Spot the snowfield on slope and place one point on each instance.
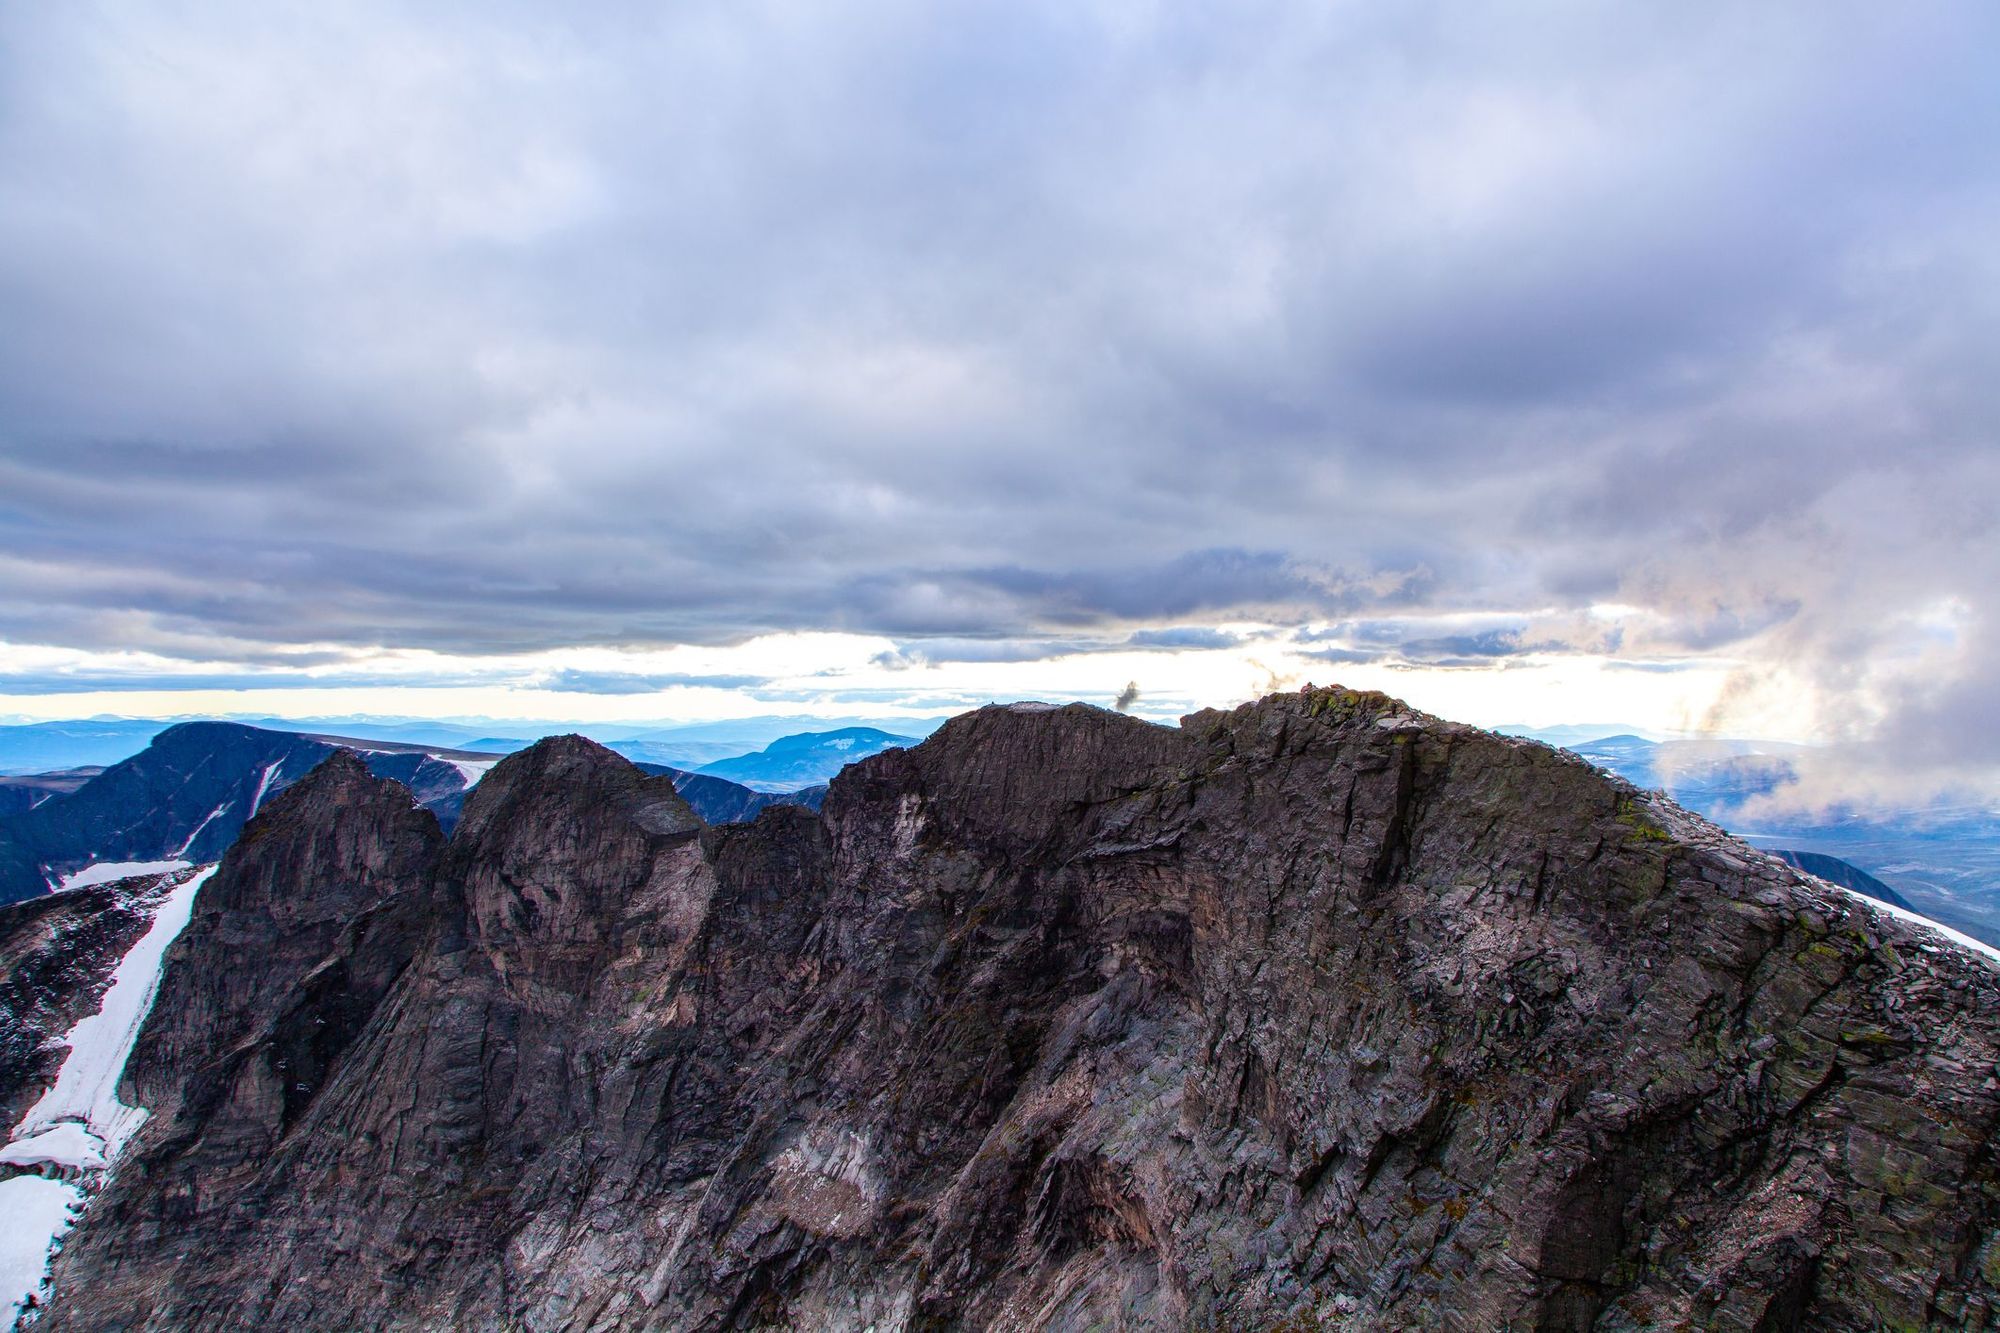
(77, 1128)
(103, 872)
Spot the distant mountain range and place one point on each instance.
(794, 762)
(187, 794)
(42, 747)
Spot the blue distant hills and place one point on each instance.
(794, 762)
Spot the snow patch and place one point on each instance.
(68, 1147)
(76, 1130)
(1032, 706)
(86, 1089)
(105, 871)
(470, 769)
(38, 1211)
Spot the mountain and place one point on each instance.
(40, 747)
(181, 798)
(812, 757)
(1836, 871)
(28, 790)
(1942, 858)
(1318, 1013)
(185, 797)
(1569, 735)
(690, 755)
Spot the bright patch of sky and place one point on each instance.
(832, 675)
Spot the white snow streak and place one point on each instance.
(79, 1125)
(105, 871)
(182, 849)
(263, 786)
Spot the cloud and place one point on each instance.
(1184, 636)
(627, 682)
(1039, 329)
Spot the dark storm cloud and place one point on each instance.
(496, 328)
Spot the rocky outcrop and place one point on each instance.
(188, 794)
(293, 945)
(1317, 1011)
(57, 953)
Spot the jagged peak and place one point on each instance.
(572, 772)
(341, 779)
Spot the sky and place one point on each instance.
(1536, 362)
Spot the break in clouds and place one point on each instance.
(1053, 326)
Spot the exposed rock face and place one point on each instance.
(57, 953)
(188, 794)
(1316, 1010)
(185, 796)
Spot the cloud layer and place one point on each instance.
(499, 330)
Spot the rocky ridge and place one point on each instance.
(189, 793)
(1319, 1010)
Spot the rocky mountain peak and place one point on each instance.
(1316, 1010)
(572, 777)
(556, 843)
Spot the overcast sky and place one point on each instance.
(668, 360)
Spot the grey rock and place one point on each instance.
(1319, 1011)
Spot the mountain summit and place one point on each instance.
(1319, 1010)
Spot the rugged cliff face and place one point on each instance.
(1318, 1010)
(57, 953)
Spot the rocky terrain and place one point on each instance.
(1319, 1013)
(185, 797)
(56, 956)
(1937, 854)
